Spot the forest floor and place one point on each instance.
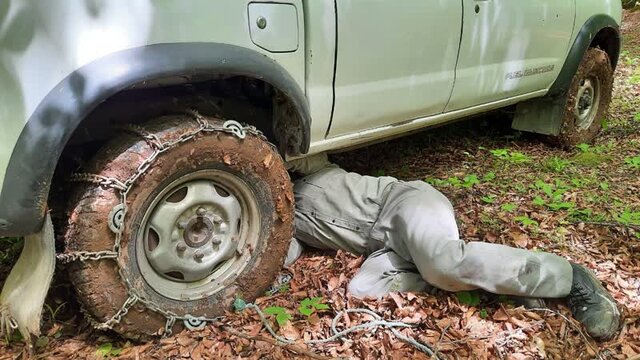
(507, 188)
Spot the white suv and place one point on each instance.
(146, 127)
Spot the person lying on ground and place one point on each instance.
(409, 234)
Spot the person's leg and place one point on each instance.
(384, 272)
(422, 222)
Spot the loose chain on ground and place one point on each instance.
(372, 325)
(123, 187)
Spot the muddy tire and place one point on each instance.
(587, 101)
(208, 222)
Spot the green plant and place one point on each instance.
(108, 350)
(554, 193)
(589, 159)
(518, 157)
(489, 199)
(509, 207)
(580, 214)
(636, 117)
(583, 147)
(488, 177)
(470, 181)
(310, 305)
(633, 162)
(483, 313)
(500, 153)
(511, 156)
(526, 221)
(469, 298)
(538, 201)
(629, 217)
(556, 164)
(436, 182)
(280, 313)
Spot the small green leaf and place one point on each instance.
(500, 153)
(583, 147)
(489, 199)
(469, 298)
(483, 313)
(636, 117)
(633, 162)
(104, 350)
(488, 177)
(509, 207)
(310, 305)
(604, 186)
(561, 206)
(526, 221)
(470, 180)
(538, 201)
(518, 157)
(281, 314)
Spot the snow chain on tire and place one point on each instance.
(118, 215)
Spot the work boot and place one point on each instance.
(592, 305)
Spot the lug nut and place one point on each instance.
(201, 211)
(216, 240)
(181, 247)
(217, 219)
(198, 255)
(182, 224)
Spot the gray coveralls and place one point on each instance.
(409, 233)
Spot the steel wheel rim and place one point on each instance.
(587, 102)
(190, 246)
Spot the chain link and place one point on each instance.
(66, 258)
(123, 189)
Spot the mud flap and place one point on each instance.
(540, 116)
(23, 294)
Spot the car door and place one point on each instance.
(395, 61)
(510, 48)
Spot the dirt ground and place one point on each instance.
(507, 188)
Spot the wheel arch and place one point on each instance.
(600, 31)
(30, 171)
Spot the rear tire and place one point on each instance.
(587, 101)
(226, 239)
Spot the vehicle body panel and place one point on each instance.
(510, 48)
(395, 62)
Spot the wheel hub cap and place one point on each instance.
(587, 101)
(192, 231)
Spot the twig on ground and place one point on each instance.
(574, 326)
(289, 347)
(435, 348)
